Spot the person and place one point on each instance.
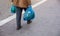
(20, 5)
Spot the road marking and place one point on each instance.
(14, 16)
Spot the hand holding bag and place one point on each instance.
(29, 14)
(13, 9)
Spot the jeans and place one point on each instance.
(18, 15)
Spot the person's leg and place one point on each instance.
(29, 21)
(18, 17)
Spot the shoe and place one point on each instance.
(28, 22)
(18, 28)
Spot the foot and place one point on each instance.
(18, 28)
(29, 22)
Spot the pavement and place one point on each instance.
(46, 22)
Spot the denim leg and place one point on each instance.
(18, 16)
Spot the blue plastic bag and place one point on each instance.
(29, 14)
(13, 9)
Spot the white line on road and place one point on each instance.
(14, 16)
